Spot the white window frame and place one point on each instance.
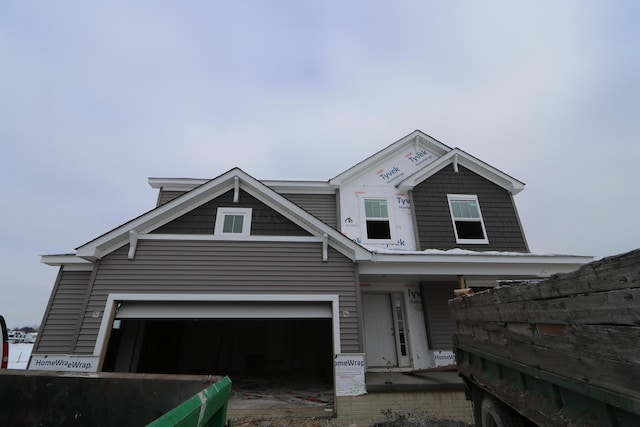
(364, 215)
(473, 198)
(223, 212)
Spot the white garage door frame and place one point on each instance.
(114, 300)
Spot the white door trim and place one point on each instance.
(114, 299)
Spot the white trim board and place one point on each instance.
(113, 299)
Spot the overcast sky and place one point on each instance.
(95, 97)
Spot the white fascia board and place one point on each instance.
(155, 218)
(163, 214)
(425, 140)
(525, 265)
(63, 259)
(68, 262)
(479, 167)
(230, 238)
(300, 187)
(280, 186)
(176, 184)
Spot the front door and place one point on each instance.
(384, 330)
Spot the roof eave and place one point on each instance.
(459, 157)
(163, 214)
(504, 265)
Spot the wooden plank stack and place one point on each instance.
(583, 325)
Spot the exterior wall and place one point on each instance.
(232, 267)
(440, 326)
(165, 196)
(265, 221)
(322, 206)
(65, 308)
(435, 228)
(379, 182)
(415, 324)
(366, 410)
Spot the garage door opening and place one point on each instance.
(240, 348)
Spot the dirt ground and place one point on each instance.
(397, 421)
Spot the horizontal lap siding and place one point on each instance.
(435, 228)
(167, 196)
(56, 334)
(225, 268)
(322, 206)
(264, 222)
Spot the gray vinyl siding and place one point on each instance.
(225, 268)
(433, 219)
(440, 327)
(265, 221)
(165, 196)
(322, 206)
(65, 308)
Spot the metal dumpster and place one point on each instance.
(208, 408)
(57, 399)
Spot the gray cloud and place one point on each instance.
(96, 98)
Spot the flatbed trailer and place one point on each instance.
(563, 352)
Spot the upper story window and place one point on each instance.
(233, 221)
(377, 217)
(467, 219)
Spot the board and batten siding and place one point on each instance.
(433, 218)
(264, 222)
(225, 267)
(63, 313)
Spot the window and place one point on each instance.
(467, 219)
(233, 221)
(377, 217)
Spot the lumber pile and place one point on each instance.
(583, 325)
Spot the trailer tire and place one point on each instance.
(494, 413)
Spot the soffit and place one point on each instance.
(493, 265)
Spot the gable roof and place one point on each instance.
(416, 139)
(235, 178)
(459, 157)
(280, 186)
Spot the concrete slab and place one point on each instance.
(423, 381)
(264, 398)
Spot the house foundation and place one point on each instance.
(366, 410)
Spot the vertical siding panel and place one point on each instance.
(431, 208)
(225, 267)
(56, 335)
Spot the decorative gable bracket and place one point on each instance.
(133, 244)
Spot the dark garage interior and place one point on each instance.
(240, 348)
